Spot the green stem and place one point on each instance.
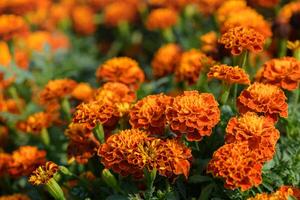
(99, 133)
(201, 81)
(225, 94)
(244, 60)
(65, 104)
(45, 136)
(14, 94)
(168, 35)
(235, 90)
(54, 189)
(282, 47)
(297, 54)
(110, 180)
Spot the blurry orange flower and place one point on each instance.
(161, 18)
(96, 112)
(121, 69)
(15, 197)
(191, 64)
(4, 161)
(118, 12)
(287, 12)
(258, 131)
(83, 20)
(209, 42)
(5, 56)
(283, 72)
(229, 7)
(25, 160)
(265, 99)
(114, 92)
(18, 7)
(11, 105)
(83, 92)
(229, 74)
(149, 113)
(83, 144)
(175, 4)
(278, 195)
(237, 165)
(43, 173)
(165, 60)
(266, 3)
(193, 114)
(239, 39)
(7, 31)
(208, 7)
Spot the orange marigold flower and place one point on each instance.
(241, 39)
(83, 92)
(96, 112)
(83, 144)
(278, 195)
(191, 64)
(56, 89)
(121, 69)
(237, 165)
(25, 160)
(209, 42)
(283, 72)
(15, 197)
(118, 12)
(258, 131)
(208, 7)
(287, 189)
(149, 113)
(18, 7)
(43, 173)
(83, 20)
(265, 99)
(229, 7)
(161, 18)
(193, 114)
(115, 92)
(7, 31)
(265, 3)
(5, 56)
(175, 4)
(287, 11)
(229, 74)
(4, 161)
(165, 60)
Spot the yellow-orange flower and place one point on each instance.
(4, 161)
(278, 195)
(258, 131)
(287, 189)
(193, 114)
(121, 69)
(5, 56)
(25, 160)
(265, 3)
(283, 72)
(229, 7)
(237, 165)
(241, 39)
(118, 12)
(7, 31)
(229, 74)
(43, 173)
(83, 92)
(191, 64)
(161, 18)
(265, 99)
(209, 42)
(149, 113)
(165, 60)
(15, 197)
(287, 12)
(83, 144)
(83, 20)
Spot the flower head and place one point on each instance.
(229, 7)
(239, 39)
(191, 64)
(237, 165)
(228, 74)
(209, 42)
(149, 113)
(265, 99)
(208, 7)
(281, 194)
(121, 69)
(161, 18)
(193, 114)
(287, 11)
(283, 72)
(25, 160)
(83, 20)
(165, 60)
(43, 173)
(7, 31)
(83, 92)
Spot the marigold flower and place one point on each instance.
(265, 3)
(96, 112)
(83, 92)
(208, 7)
(193, 114)
(209, 42)
(4, 161)
(191, 64)
(43, 173)
(287, 12)
(7, 31)
(265, 99)
(161, 18)
(258, 131)
(239, 39)
(83, 20)
(118, 12)
(229, 7)
(229, 74)
(15, 197)
(25, 160)
(175, 4)
(287, 190)
(149, 113)
(18, 7)
(121, 69)
(283, 72)
(165, 60)
(237, 165)
(5, 56)
(278, 195)
(83, 144)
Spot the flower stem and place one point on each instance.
(282, 47)
(54, 189)
(99, 133)
(297, 54)
(225, 94)
(65, 104)
(168, 35)
(244, 60)
(45, 136)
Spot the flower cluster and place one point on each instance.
(161, 18)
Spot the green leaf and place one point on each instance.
(205, 193)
